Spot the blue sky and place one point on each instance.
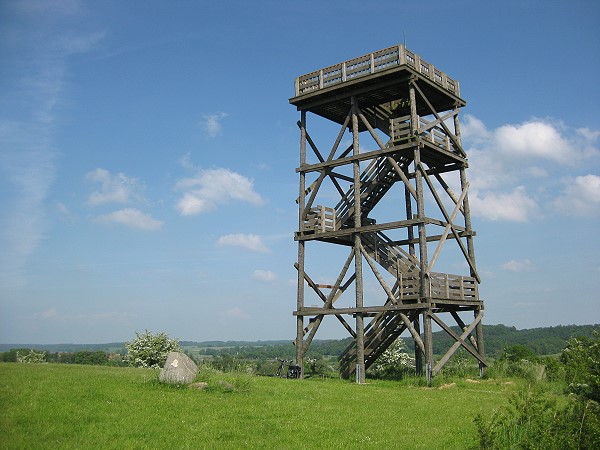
(148, 155)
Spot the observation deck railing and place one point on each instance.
(370, 64)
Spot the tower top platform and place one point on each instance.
(376, 78)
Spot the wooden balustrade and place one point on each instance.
(373, 63)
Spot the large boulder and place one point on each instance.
(178, 369)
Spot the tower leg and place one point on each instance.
(428, 343)
(418, 352)
(480, 346)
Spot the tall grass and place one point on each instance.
(65, 406)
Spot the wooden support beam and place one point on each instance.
(414, 333)
(454, 139)
(460, 341)
(463, 327)
(449, 191)
(438, 120)
(447, 229)
(382, 282)
(396, 149)
(321, 311)
(391, 160)
(447, 217)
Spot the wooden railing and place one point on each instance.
(320, 219)
(453, 287)
(371, 64)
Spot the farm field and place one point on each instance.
(70, 406)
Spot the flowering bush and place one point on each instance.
(31, 357)
(394, 362)
(150, 350)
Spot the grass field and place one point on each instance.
(70, 406)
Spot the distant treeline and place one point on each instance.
(91, 357)
(542, 341)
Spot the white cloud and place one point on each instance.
(518, 266)
(581, 196)
(250, 242)
(515, 206)
(236, 313)
(536, 139)
(509, 163)
(132, 218)
(50, 314)
(211, 123)
(589, 135)
(264, 275)
(211, 187)
(474, 130)
(117, 188)
(533, 140)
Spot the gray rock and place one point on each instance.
(178, 369)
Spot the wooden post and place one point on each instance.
(360, 326)
(428, 342)
(470, 246)
(301, 248)
(418, 351)
(423, 276)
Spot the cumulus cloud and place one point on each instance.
(117, 188)
(208, 188)
(211, 123)
(515, 206)
(518, 266)
(265, 276)
(580, 196)
(536, 139)
(132, 218)
(250, 242)
(511, 167)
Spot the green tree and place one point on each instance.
(518, 352)
(97, 358)
(150, 350)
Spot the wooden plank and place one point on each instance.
(360, 157)
(365, 310)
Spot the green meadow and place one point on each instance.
(71, 406)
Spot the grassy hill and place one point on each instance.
(70, 406)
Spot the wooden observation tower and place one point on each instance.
(387, 197)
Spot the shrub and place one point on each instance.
(581, 358)
(31, 356)
(150, 350)
(533, 421)
(394, 362)
(318, 367)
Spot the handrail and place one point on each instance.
(395, 56)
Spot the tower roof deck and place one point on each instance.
(376, 78)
